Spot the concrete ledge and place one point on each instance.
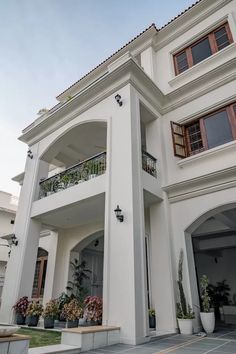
(16, 344)
(88, 338)
(14, 338)
(91, 329)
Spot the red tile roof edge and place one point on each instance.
(133, 39)
(140, 34)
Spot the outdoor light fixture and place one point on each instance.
(119, 216)
(13, 240)
(118, 99)
(30, 154)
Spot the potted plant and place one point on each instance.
(20, 308)
(34, 311)
(62, 300)
(76, 285)
(72, 312)
(219, 295)
(207, 317)
(185, 314)
(152, 318)
(93, 309)
(50, 313)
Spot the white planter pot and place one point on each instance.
(208, 321)
(185, 326)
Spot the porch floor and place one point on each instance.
(221, 342)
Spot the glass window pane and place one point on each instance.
(220, 32)
(182, 62)
(201, 51)
(194, 138)
(218, 129)
(221, 37)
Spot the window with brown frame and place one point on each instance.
(214, 129)
(213, 42)
(40, 274)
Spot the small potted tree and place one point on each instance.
(62, 300)
(152, 318)
(93, 309)
(50, 313)
(185, 314)
(20, 308)
(72, 312)
(206, 315)
(34, 311)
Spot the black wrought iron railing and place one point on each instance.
(81, 172)
(149, 163)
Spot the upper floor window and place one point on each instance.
(203, 48)
(207, 132)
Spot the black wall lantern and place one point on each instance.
(118, 99)
(119, 216)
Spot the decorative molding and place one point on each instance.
(189, 19)
(204, 184)
(127, 73)
(206, 154)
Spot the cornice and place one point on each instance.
(127, 72)
(198, 87)
(189, 19)
(194, 187)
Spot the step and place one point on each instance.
(54, 349)
(92, 337)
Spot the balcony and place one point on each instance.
(149, 164)
(81, 172)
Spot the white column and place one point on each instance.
(125, 297)
(162, 280)
(21, 265)
(51, 265)
(148, 62)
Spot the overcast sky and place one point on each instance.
(46, 45)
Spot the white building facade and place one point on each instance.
(8, 207)
(153, 130)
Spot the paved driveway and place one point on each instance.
(219, 343)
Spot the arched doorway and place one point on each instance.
(40, 273)
(90, 251)
(211, 249)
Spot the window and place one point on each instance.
(212, 130)
(203, 48)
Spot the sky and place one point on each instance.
(46, 45)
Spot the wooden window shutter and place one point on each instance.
(178, 137)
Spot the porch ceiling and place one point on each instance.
(82, 213)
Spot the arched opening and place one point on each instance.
(77, 156)
(40, 274)
(90, 251)
(211, 249)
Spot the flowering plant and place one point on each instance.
(51, 309)
(93, 308)
(72, 311)
(21, 305)
(34, 309)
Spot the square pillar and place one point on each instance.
(21, 265)
(124, 286)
